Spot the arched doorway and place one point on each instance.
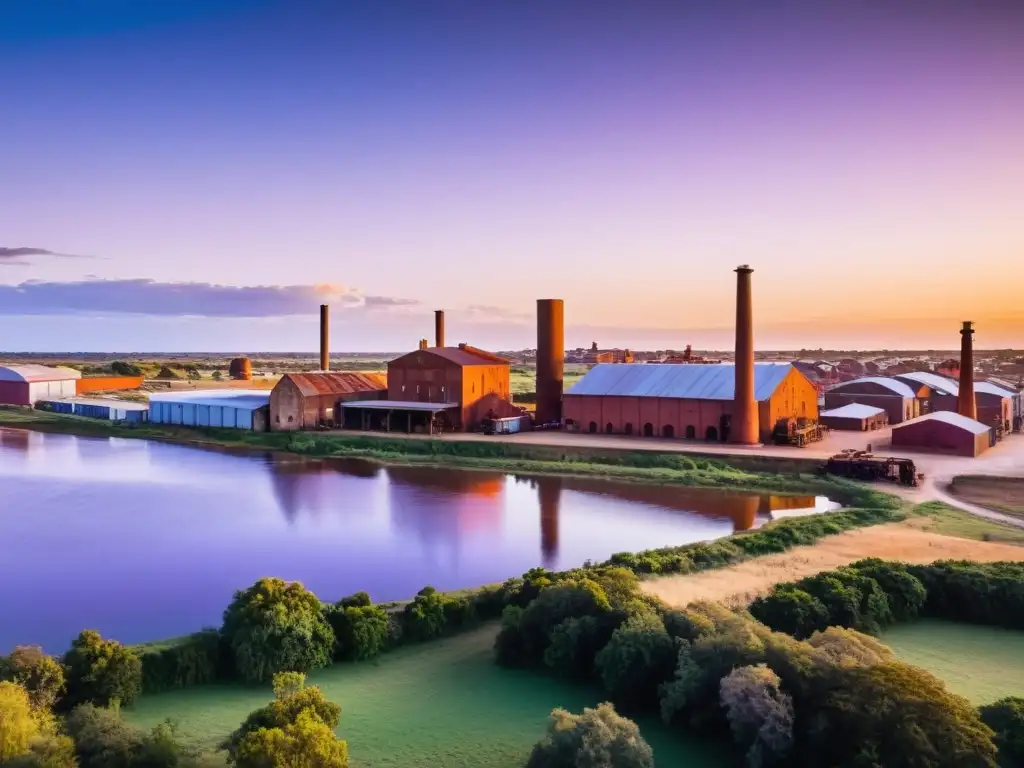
(629, 428)
(648, 429)
(711, 435)
(592, 429)
(609, 428)
(668, 431)
(691, 432)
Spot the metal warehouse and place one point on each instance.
(855, 416)
(232, 409)
(691, 401)
(944, 432)
(310, 400)
(994, 404)
(96, 408)
(28, 384)
(896, 398)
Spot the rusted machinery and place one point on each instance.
(798, 432)
(861, 465)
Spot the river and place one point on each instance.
(144, 540)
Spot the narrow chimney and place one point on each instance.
(744, 429)
(424, 344)
(439, 328)
(550, 359)
(325, 330)
(966, 403)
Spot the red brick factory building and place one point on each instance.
(310, 400)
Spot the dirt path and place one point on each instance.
(741, 583)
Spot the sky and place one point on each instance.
(199, 175)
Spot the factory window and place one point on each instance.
(691, 432)
(629, 428)
(711, 434)
(609, 428)
(277, 419)
(648, 429)
(592, 429)
(668, 431)
(291, 419)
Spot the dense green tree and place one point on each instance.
(1006, 718)
(18, 723)
(574, 646)
(760, 714)
(276, 626)
(639, 657)
(306, 743)
(41, 675)
(424, 618)
(555, 604)
(904, 591)
(102, 672)
(361, 632)
(791, 610)
(358, 600)
(599, 738)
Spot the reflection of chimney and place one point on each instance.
(549, 493)
(439, 328)
(744, 428)
(966, 404)
(325, 355)
(550, 359)
(424, 344)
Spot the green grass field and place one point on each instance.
(936, 517)
(983, 664)
(439, 704)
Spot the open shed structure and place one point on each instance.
(855, 417)
(687, 401)
(311, 400)
(224, 408)
(28, 384)
(944, 432)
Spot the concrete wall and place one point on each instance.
(45, 390)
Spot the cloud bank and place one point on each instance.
(148, 297)
(21, 256)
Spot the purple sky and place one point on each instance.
(241, 161)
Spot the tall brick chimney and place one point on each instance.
(439, 328)
(966, 403)
(325, 330)
(744, 429)
(424, 344)
(550, 359)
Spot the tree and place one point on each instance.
(245, 747)
(760, 715)
(361, 632)
(277, 626)
(553, 605)
(790, 610)
(639, 657)
(217, 376)
(574, 645)
(18, 723)
(100, 671)
(103, 740)
(905, 592)
(1006, 718)
(306, 742)
(41, 675)
(47, 750)
(599, 738)
(848, 647)
(121, 368)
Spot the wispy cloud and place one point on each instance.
(22, 255)
(148, 297)
(489, 313)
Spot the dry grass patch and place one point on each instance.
(1000, 494)
(905, 541)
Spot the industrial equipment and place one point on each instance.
(861, 465)
(798, 432)
(507, 426)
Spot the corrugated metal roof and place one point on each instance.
(991, 389)
(32, 373)
(124, 405)
(695, 382)
(459, 356)
(854, 411)
(399, 405)
(897, 387)
(933, 380)
(949, 417)
(244, 399)
(337, 382)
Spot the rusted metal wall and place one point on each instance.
(550, 359)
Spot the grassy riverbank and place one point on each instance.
(745, 472)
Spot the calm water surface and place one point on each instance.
(144, 540)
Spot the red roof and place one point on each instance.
(463, 355)
(337, 383)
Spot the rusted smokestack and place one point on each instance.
(325, 331)
(439, 328)
(966, 404)
(549, 491)
(744, 429)
(424, 344)
(550, 359)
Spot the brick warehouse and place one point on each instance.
(308, 400)
(684, 401)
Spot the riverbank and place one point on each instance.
(747, 471)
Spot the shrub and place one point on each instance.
(846, 647)
(509, 650)
(46, 751)
(426, 617)
(41, 675)
(1006, 718)
(307, 741)
(103, 740)
(905, 592)
(197, 659)
(687, 624)
(101, 672)
(978, 593)
(599, 738)
(760, 715)
(360, 632)
(291, 701)
(639, 657)
(791, 610)
(358, 600)
(18, 723)
(276, 626)
(574, 645)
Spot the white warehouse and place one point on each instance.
(224, 408)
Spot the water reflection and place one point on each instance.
(87, 517)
